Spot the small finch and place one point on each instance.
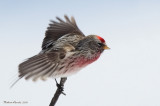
(65, 51)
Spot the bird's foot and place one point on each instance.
(60, 87)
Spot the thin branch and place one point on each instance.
(58, 92)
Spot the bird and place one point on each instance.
(65, 51)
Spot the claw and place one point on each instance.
(61, 88)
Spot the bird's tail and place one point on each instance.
(15, 82)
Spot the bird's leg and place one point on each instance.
(60, 87)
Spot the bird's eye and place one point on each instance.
(100, 44)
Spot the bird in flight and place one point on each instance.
(65, 51)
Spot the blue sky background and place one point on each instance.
(126, 75)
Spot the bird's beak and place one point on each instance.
(105, 47)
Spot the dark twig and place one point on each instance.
(58, 91)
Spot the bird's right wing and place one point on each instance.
(59, 29)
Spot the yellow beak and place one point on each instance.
(106, 47)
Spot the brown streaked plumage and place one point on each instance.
(65, 51)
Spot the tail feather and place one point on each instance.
(15, 82)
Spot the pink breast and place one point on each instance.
(83, 61)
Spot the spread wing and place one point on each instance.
(41, 66)
(45, 65)
(59, 29)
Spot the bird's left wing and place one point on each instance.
(42, 65)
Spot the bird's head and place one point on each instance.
(101, 42)
(93, 43)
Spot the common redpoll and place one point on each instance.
(65, 51)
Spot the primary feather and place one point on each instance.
(58, 29)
